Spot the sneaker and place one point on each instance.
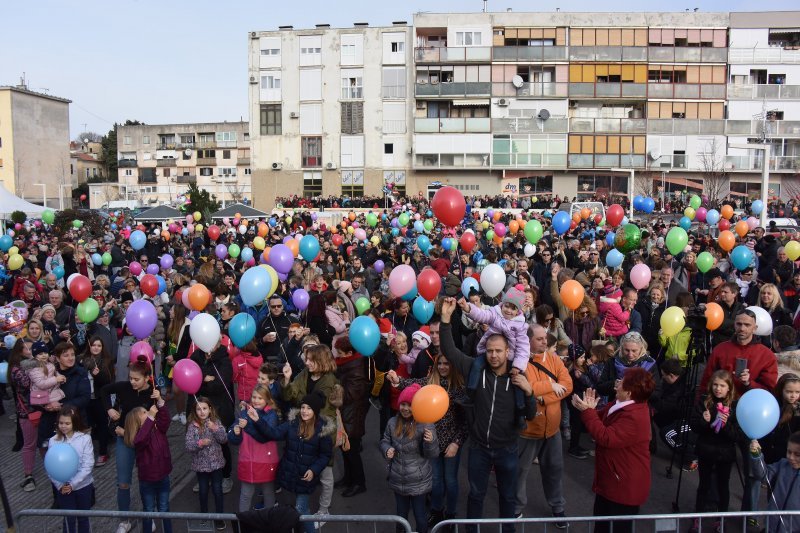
(578, 453)
(101, 460)
(561, 524)
(518, 515)
(28, 484)
(182, 418)
(691, 466)
(219, 525)
(196, 488)
(227, 485)
(124, 527)
(175, 419)
(375, 402)
(153, 526)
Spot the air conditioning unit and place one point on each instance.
(502, 102)
(293, 114)
(253, 80)
(277, 166)
(331, 166)
(253, 35)
(420, 104)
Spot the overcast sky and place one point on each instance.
(179, 61)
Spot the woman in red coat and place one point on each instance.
(621, 431)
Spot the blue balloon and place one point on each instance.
(446, 243)
(9, 341)
(114, 226)
(756, 207)
(365, 335)
(423, 242)
(757, 413)
(547, 214)
(242, 329)
(428, 213)
(185, 232)
(58, 272)
(685, 223)
(637, 202)
(254, 286)
(422, 309)
(712, 217)
(395, 232)
(309, 247)
(6, 242)
(648, 205)
(419, 227)
(468, 284)
(162, 284)
(272, 222)
(624, 221)
(614, 258)
(561, 222)
(246, 254)
(741, 257)
(61, 462)
(4, 372)
(138, 239)
(410, 295)
(610, 236)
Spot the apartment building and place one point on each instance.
(533, 104)
(158, 162)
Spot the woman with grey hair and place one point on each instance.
(632, 353)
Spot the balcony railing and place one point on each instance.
(206, 161)
(432, 161)
(608, 125)
(146, 179)
(165, 146)
(451, 89)
(452, 125)
(685, 126)
(529, 125)
(166, 162)
(608, 90)
(670, 161)
(126, 163)
(186, 179)
(453, 54)
(685, 54)
(714, 91)
(529, 160)
(608, 53)
(751, 162)
(605, 161)
(529, 53)
(243, 160)
(542, 89)
(753, 128)
(763, 55)
(224, 178)
(762, 92)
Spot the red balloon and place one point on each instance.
(468, 241)
(614, 215)
(476, 276)
(429, 283)
(337, 239)
(724, 224)
(83, 197)
(598, 219)
(81, 288)
(149, 285)
(213, 232)
(449, 206)
(781, 213)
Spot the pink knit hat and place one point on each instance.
(407, 394)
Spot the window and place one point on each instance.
(187, 139)
(186, 156)
(468, 38)
(166, 172)
(312, 184)
(246, 137)
(352, 84)
(394, 82)
(71, 168)
(87, 173)
(94, 172)
(226, 154)
(398, 180)
(208, 154)
(535, 184)
(271, 82)
(145, 139)
(226, 171)
(206, 138)
(388, 148)
(352, 49)
(352, 117)
(126, 140)
(247, 172)
(128, 172)
(226, 136)
(206, 171)
(398, 46)
(310, 50)
(271, 52)
(353, 183)
(311, 151)
(271, 119)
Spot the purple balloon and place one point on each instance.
(193, 314)
(395, 222)
(282, 276)
(281, 258)
(166, 261)
(152, 269)
(378, 266)
(314, 216)
(141, 318)
(221, 251)
(300, 299)
(286, 239)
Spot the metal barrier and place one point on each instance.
(656, 523)
(346, 521)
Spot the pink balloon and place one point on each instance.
(416, 216)
(402, 280)
(360, 234)
(189, 219)
(226, 221)
(499, 229)
(251, 262)
(640, 276)
(135, 268)
(700, 214)
(235, 221)
(185, 299)
(187, 376)
(355, 224)
(752, 223)
(142, 349)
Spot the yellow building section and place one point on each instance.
(7, 171)
(607, 144)
(593, 72)
(608, 37)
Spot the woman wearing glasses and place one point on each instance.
(632, 354)
(583, 326)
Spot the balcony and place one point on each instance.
(753, 128)
(712, 91)
(166, 146)
(670, 161)
(761, 56)
(763, 92)
(203, 145)
(529, 53)
(452, 125)
(685, 126)
(166, 162)
(536, 89)
(745, 163)
(243, 160)
(147, 179)
(518, 160)
(605, 161)
(126, 163)
(608, 53)
(684, 54)
(453, 89)
(186, 179)
(608, 90)
(224, 178)
(206, 161)
(436, 161)
(608, 125)
(529, 125)
(453, 54)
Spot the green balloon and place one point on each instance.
(372, 220)
(428, 225)
(48, 217)
(628, 238)
(694, 201)
(490, 235)
(77, 224)
(704, 262)
(533, 231)
(88, 310)
(106, 258)
(677, 239)
(233, 250)
(362, 305)
(403, 219)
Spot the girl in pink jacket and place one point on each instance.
(616, 321)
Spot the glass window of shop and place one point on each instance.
(602, 186)
(535, 185)
(752, 190)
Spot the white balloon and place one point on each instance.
(70, 278)
(204, 331)
(529, 250)
(493, 279)
(242, 229)
(763, 320)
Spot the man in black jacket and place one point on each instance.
(274, 331)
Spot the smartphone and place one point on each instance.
(741, 366)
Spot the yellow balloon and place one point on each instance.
(199, 228)
(673, 321)
(793, 250)
(14, 250)
(259, 243)
(197, 216)
(689, 212)
(485, 224)
(288, 220)
(15, 262)
(350, 230)
(273, 276)
(375, 240)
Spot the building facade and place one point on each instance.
(158, 162)
(534, 104)
(34, 146)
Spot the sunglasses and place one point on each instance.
(276, 307)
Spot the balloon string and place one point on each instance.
(771, 491)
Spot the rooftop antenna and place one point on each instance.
(485, 5)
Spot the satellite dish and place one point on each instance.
(544, 114)
(187, 152)
(517, 81)
(654, 154)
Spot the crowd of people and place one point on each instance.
(532, 378)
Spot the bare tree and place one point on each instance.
(645, 185)
(88, 136)
(237, 192)
(790, 186)
(715, 176)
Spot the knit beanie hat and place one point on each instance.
(422, 336)
(407, 394)
(315, 401)
(514, 296)
(39, 347)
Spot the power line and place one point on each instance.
(111, 122)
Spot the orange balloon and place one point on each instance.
(497, 239)
(334, 230)
(497, 215)
(572, 294)
(351, 216)
(262, 230)
(165, 235)
(344, 224)
(521, 222)
(243, 222)
(714, 316)
(726, 240)
(294, 246)
(199, 297)
(265, 253)
(576, 217)
(726, 212)
(586, 213)
(430, 404)
(513, 227)
(741, 228)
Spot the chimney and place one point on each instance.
(285, 28)
(400, 23)
(360, 24)
(323, 26)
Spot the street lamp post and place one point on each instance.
(764, 176)
(44, 193)
(630, 188)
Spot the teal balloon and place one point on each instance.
(58, 272)
(410, 295)
(422, 310)
(309, 247)
(628, 238)
(614, 258)
(242, 329)
(423, 242)
(6, 242)
(365, 335)
(685, 223)
(757, 413)
(741, 257)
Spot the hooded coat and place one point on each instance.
(410, 472)
(220, 389)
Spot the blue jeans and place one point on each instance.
(77, 499)
(445, 483)
(301, 503)
(480, 463)
(155, 497)
(417, 504)
(125, 459)
(214, 481)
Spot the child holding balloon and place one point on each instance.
(72, 478)
(787, 392)
(782, 477)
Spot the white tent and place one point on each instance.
(10, 203)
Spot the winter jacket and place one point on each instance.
(547, 421)
(126, 399)
(669, 406)
(153, 458)
(245, 373)
(258, 456)
(788, 361)
(725, 331)
(122, 366)
(273, 324)
(298, 388)
(775, 443)
(301, 455)
(515, 331)
(615, 369)
(220, 389)
(784, 480)
(583, 330)
(452, 428)
(622, 452)
(614, 318)
(410, 472)
(651, 321)
(352, 374)
(209, 457)
(43, 379)
(21, 384)
(77, 391)
(761, 363)
(677, 346)
(82, 444)
(712, 445)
